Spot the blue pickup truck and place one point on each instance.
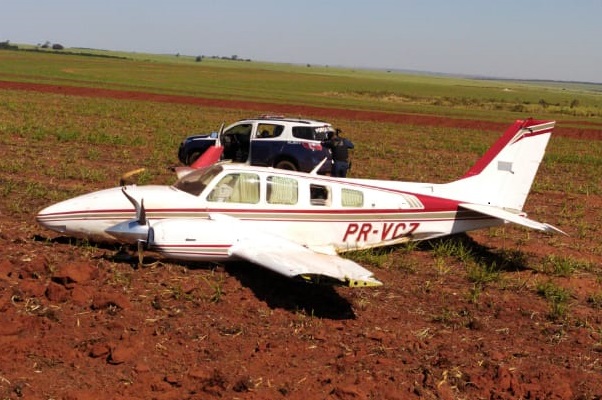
(279, 142)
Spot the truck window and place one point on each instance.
(266, 131)
(312, 133)
(303, 132)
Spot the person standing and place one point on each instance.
(339, 146)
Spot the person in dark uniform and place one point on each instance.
(339, 146)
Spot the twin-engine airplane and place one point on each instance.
(296, 223)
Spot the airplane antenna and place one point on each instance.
(317, 167)
(218, 141)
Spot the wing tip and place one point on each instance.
(364, 282)
(368, 281)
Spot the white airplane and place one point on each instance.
(297, 223)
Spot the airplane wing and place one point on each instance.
(246, 240)
(293, 260)
(509, 216)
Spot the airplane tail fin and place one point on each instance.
(504, 175)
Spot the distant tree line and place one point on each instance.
(232, 58)
(7, 46)
(57, 46)
(47, 45)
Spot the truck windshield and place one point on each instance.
(196, 181)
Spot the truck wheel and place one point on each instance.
(192, 157)
(285, 164)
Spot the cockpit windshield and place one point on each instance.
(196, 181)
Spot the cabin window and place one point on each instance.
(282, 190)
(319, 195)
(236, 188)
(352, 198)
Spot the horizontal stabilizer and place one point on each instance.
(510, 216)
(293, 260)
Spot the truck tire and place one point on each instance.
(192, 157)
(286, 164)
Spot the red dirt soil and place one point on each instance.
(84, 322)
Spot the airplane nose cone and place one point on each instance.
(50, 218)
(88, 215)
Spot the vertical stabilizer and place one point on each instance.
(504, 175)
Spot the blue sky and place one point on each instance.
(527, 39)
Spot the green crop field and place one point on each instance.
(308, 85)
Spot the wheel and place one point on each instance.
(192, 157)
(286, 164)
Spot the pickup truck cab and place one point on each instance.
(279, 142)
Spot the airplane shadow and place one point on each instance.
(319, 301)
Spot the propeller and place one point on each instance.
(134, 230)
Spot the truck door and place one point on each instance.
(236, 142)
(266, 144)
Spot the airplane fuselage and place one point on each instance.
(334, 214)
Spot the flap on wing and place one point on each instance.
(509, 216)
(293, 260)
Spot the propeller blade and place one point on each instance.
(142, 214)
(126, 178)
(140, 211)
(140, 252)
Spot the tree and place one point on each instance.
(7, 46)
